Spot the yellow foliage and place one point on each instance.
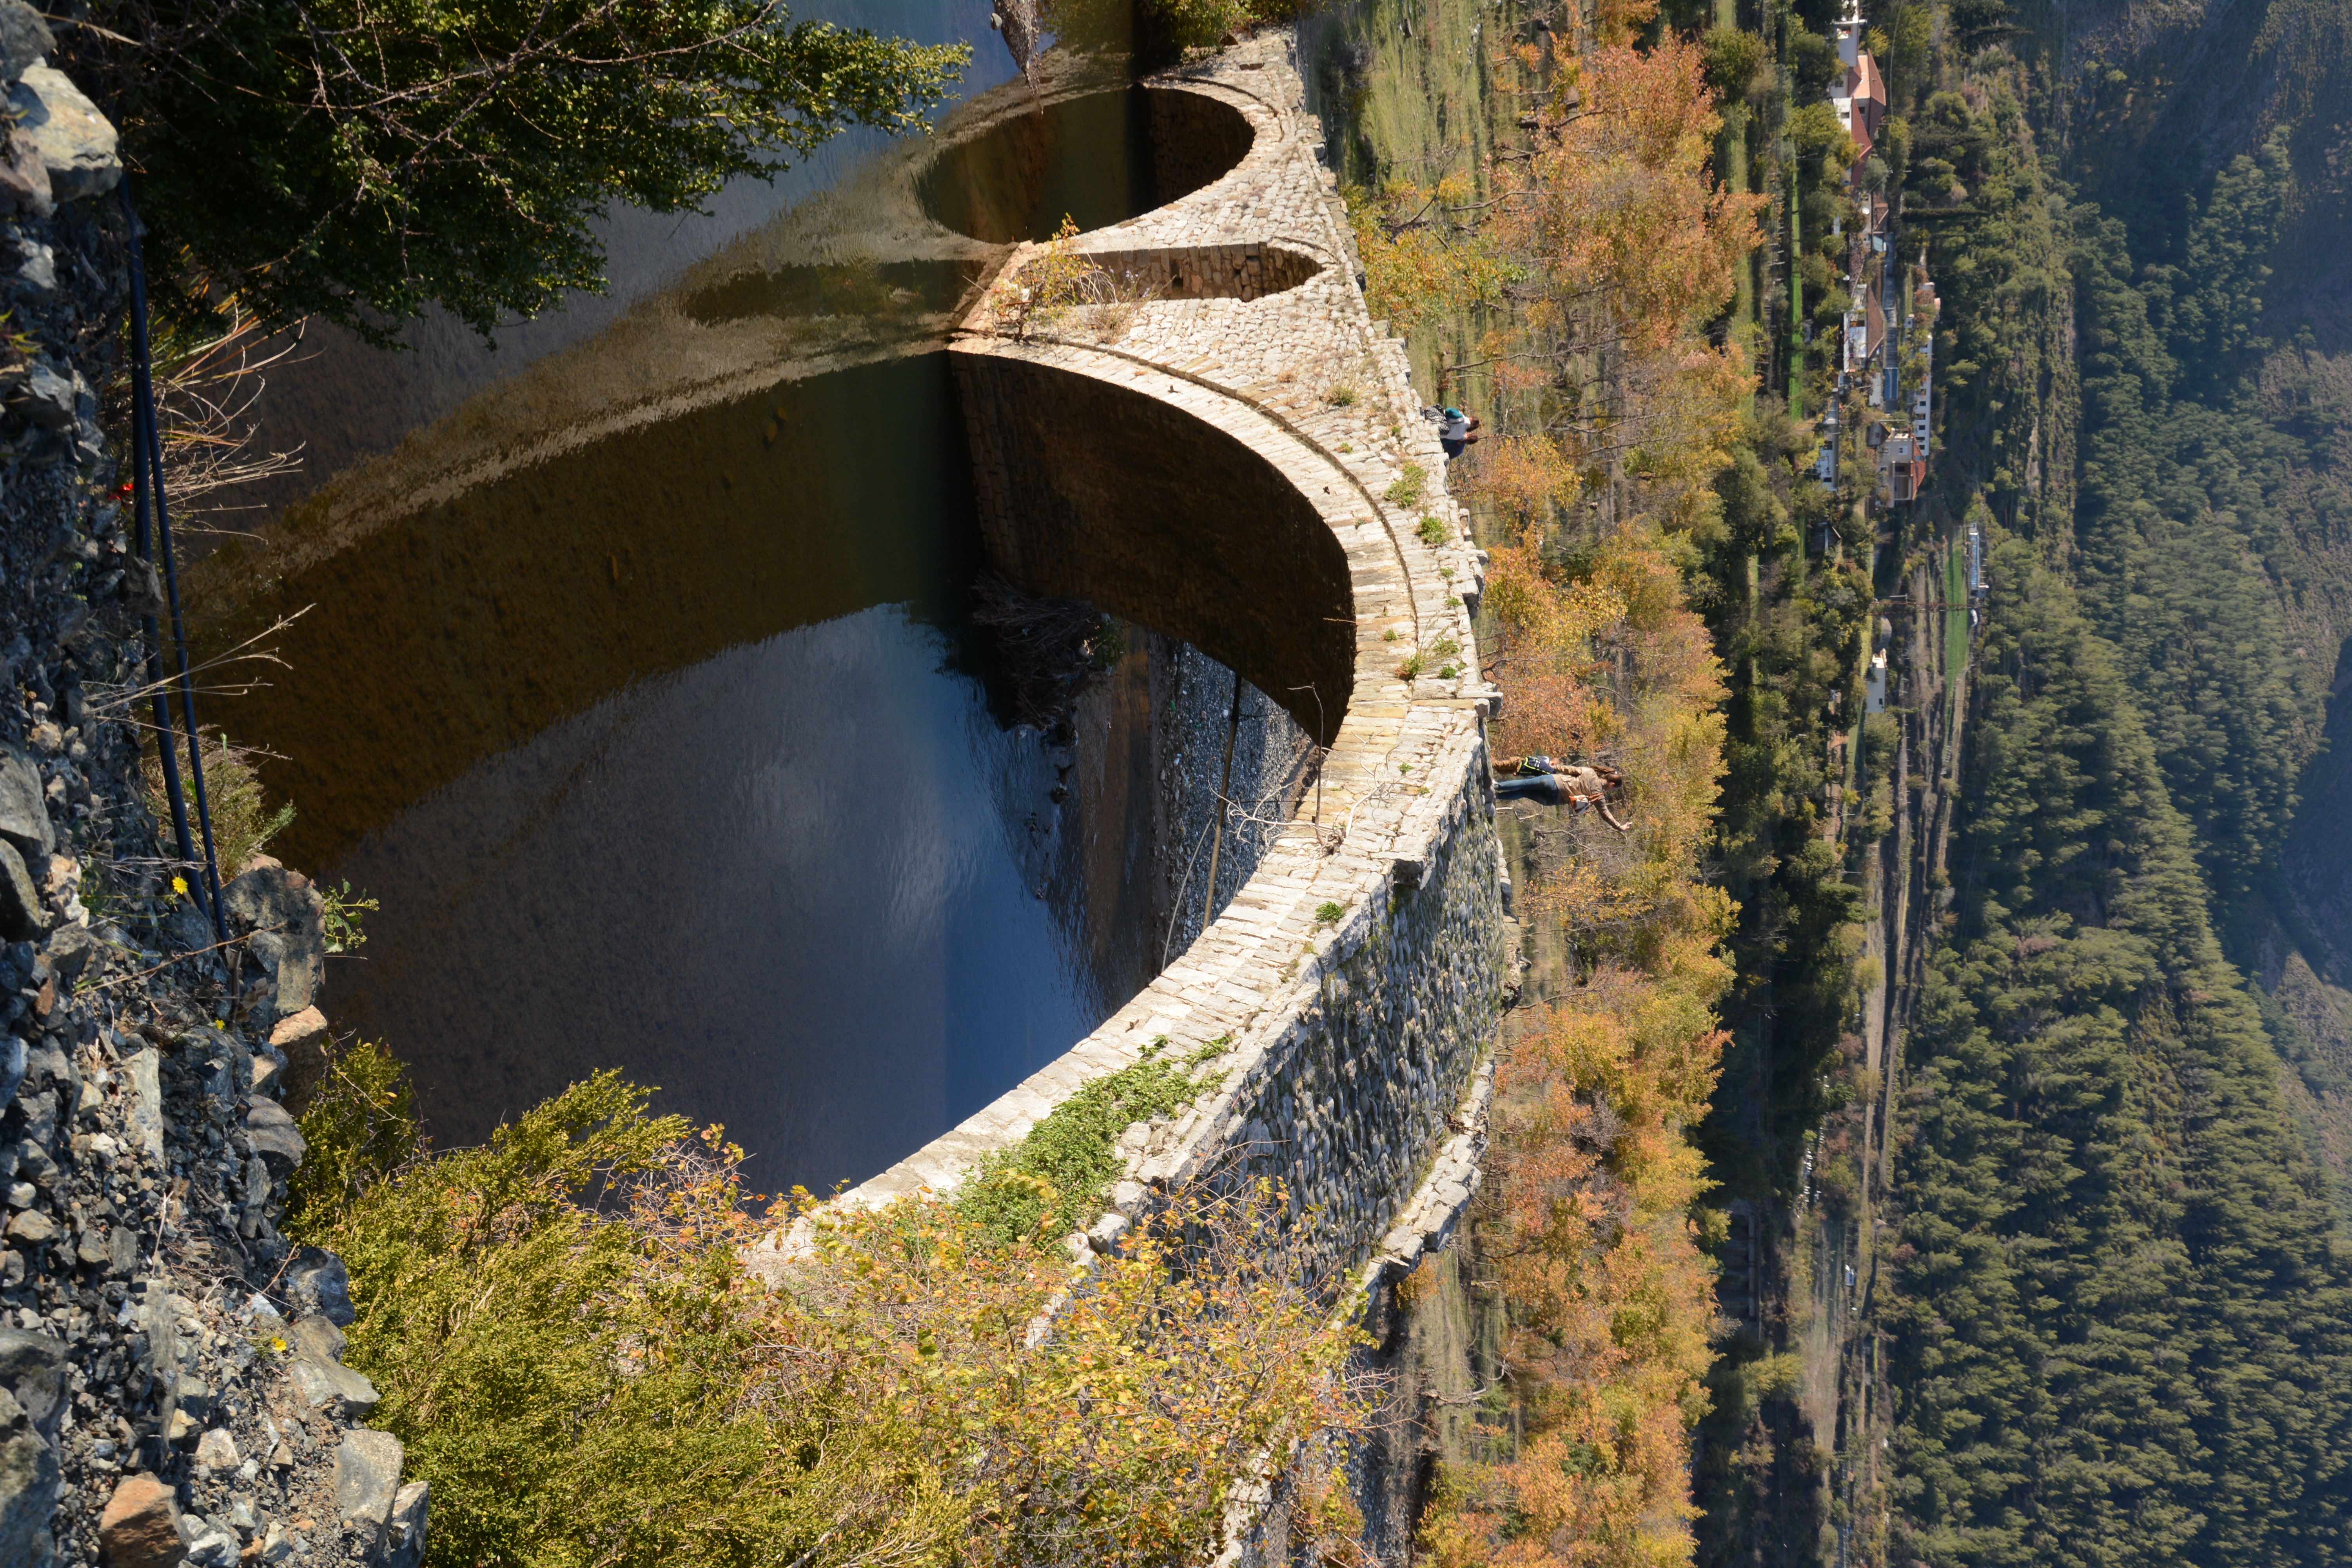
(1594, 1181)
(1522, 477)
(572, 1349)
(1418, 262)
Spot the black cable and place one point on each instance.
(147, 476)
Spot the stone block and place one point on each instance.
(141, 1525)
(403, 1543)
(367, 1483)
(275, 1138)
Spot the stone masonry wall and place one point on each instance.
(1243, 272)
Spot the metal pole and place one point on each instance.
(144, 390)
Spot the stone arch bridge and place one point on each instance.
(1234, 454)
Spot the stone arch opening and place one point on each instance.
(1092, 490)
(1099, 159)
(1248, 271)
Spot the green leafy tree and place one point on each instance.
(362, 162)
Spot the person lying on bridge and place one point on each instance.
(1550, 782)
(1454, 429)
(1456, 433)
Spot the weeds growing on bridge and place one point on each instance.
(1043, 290)
(1056, 1180)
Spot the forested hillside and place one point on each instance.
(2118, 1326)
(2124, 1332)
(2030, 1147)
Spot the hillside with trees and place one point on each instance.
(2114, 1321)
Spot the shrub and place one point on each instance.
(1410, 482)
(241, 817)
(569, 1345)
(1059, 1178)
(1328, 913)
(359, 1122)
(1733, 58)
(1432, 531)
(1057, 278)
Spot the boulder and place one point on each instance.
(332, 1386)
(144, 1070)
(288, 919)
(69, 953)
(22, 919)
(32, 1227)
(317, 1282)
(37, 275)
(24, 39)
(140, 1526)
(13, 1062)
(268, 1073)
(316, 1337)
(403, 1541)
(367, 1479)
(23, 811)
(302, 1039)
(24, 178)
(193, 1395)
(94, 1246)
(212, 1547)
(304, 1030)
(76, 144)
(28, 1483)
(45, 398)
(274, 1136)
(217, 1451)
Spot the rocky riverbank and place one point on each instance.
(170, 1386)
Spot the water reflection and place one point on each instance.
(774, 884)
(639, 690)
(676, 755)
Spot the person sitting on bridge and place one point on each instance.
(1550, 782)
(1456, 433)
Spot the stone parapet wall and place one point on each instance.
(1346, 1083)
(1245, 466)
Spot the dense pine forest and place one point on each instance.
(2118, 1326)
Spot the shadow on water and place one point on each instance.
(873, 290)
(642, 692)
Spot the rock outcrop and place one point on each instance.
(171, 1387)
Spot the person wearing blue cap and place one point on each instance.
(1456, 433)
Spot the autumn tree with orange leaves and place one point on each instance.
(1613, 414)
